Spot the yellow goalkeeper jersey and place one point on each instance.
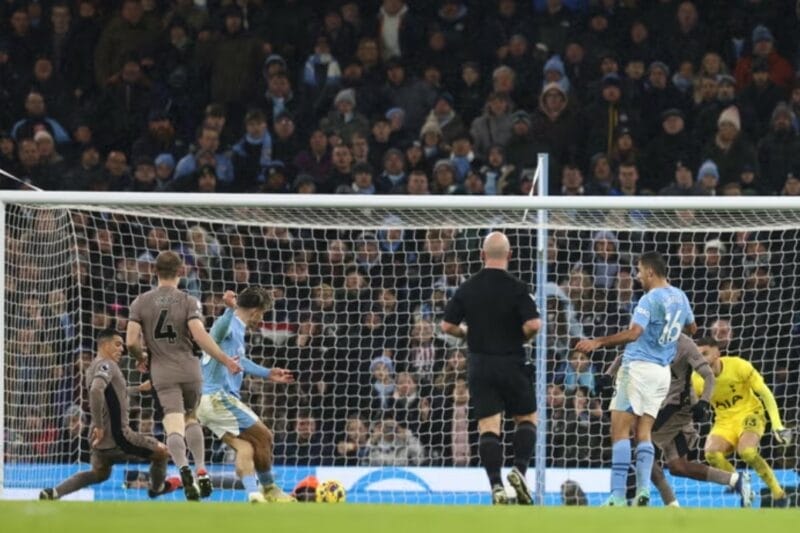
(735, 389)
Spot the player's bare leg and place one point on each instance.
(245, 466)
(524, 441)
(621, 424)
(664, 488)
(175, 427)
(261, 439)
(748, 451)
(491, 453)
(101, 471)
(196, 442)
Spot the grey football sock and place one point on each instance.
(176, 445)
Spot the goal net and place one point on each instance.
(381, 402)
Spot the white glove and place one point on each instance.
(783, 436)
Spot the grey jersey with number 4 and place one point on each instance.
(164, 314)
(687, 359)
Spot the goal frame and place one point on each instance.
(540, 202)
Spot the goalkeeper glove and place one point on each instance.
(783, 436)
(701, 412)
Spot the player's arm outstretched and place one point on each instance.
(756, 382)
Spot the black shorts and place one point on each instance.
(501, 384)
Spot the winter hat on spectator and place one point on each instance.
(612, 79)
(715, 244)
(708, 168)
(672, 112)
(42, 135)
(165, 159)
(302, 179)
(345, 95)
(730, 115)
(520, 116)
(554, 64)
(726, 78)
(447, 97)
(157, 115)
(762, 33)
(382, 360)
(440, 164)
(553, 86)
(394, 110)
(658, 64)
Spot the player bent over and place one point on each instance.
(644, 377)
(739, 421)
(674, 432)
(221, 409)
(113, 441)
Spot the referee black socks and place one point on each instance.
(524, 441)
(491, 453)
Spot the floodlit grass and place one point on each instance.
(120, 517)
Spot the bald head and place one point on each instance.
(496, 247)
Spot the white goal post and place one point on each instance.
(577, 254)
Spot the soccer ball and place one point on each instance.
(330, 491)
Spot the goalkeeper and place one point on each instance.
(739, 416)
(221, 409)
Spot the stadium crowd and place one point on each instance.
(416, 97)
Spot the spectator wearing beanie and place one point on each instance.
(780, 70)
(729, 149)
(343, 119)
(707, 179)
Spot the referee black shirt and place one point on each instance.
(494, 305)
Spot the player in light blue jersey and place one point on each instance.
(642, 383)
(221, 409)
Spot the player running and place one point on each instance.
(221, 409)
(674, 431)
(169, 319)
(739, 420)
(644, 377)
(112, 439)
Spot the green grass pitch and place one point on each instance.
(120, 517)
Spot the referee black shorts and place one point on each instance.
(501, 384)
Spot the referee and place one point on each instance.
(501, 316)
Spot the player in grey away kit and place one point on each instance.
(113, 441)
(674, 432)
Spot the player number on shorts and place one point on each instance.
(164, 329)
(672, 329)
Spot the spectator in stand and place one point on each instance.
(127, 34)
(252, 155)
(207, 152)
(672, 145)
(729, 149)
(304, 445)
(578, 372)
(344, 120)
(233, 60)
(315, 161)
(391, 444)
(780, 71)
(683, 183)
(779, 149)
(494, 125)
(761, 95)
(351, 447)
(36, 119)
